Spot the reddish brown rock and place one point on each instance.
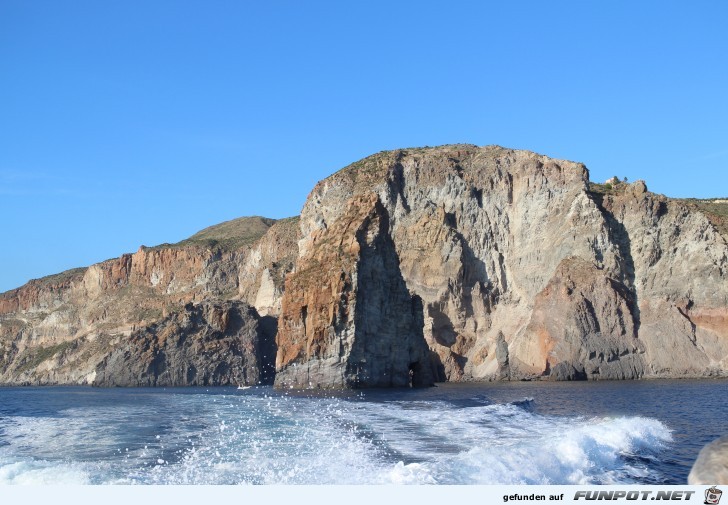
(524, 269)
(448, 263)
(582, 326)
(348, 319)
(59, 329)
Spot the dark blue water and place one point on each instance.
(646, 432)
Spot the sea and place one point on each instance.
(621, 432)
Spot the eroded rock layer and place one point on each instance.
(60, 329)
(521, 269)
(348, 318)
(208, 344)
(408, 267)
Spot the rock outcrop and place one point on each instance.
(348, 318)
(60, 329)
(522, 269)
(408, 267)
(208, 344)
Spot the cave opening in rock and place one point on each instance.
(415, 377)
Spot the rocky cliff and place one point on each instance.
(208, 344)
(348, 318)
(406, 268)
(62, 328)
(505, 264)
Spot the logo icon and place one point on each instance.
(712, 496)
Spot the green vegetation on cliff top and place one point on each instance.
(232, 234)
(227, 236)
(59, 279)
(716, 210)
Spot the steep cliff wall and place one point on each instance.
(521, 270)
(59, 329)
(408, 267)
(348, 319)
(208, 344)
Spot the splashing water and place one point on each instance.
(263, 437)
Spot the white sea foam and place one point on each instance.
(261, 439)
(40, 472)
(502, 444)
(588, 451)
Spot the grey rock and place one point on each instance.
(711, 467)
(617, 285)
(411, 266)
(207, 344)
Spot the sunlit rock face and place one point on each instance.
(348, 318)
(521, 270)
(64, 329)
(406, 268)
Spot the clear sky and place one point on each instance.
(142, 121)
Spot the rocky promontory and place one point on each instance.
(409, 267)
(506, 264)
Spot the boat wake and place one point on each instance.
(261, 438)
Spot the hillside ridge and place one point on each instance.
(407, 267)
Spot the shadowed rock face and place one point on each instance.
(348, 319)
(209, 344)
(410, 266)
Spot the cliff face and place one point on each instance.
(348, 319)
(520, 269)
(60, 329)
(408, 267)
(209, 344)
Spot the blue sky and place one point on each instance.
(139, 122)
